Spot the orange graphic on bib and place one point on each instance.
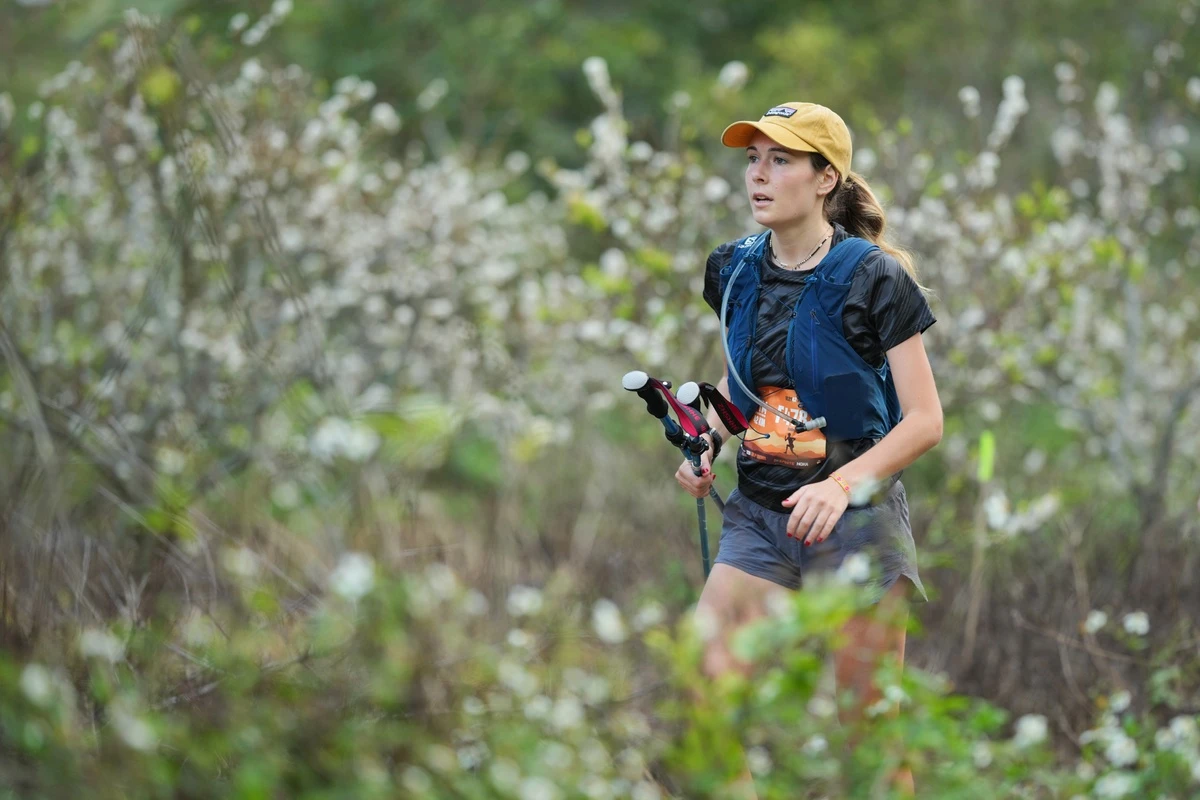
(773, 441)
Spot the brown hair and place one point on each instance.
(854, 206)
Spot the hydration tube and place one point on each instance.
(811, 424)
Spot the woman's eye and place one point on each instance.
(780, 160)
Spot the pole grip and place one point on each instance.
(639, 382)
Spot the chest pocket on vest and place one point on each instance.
(831, 296)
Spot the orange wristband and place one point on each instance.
(841, 482)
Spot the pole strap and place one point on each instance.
(731, 416)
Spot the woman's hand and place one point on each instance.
(697, 485)
(816, 508)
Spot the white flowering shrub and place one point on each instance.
(210, 272)
(1077, 294)
(213, 272)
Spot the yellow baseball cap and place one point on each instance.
(799, 126)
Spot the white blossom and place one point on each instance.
(1136, 623)
(538, 788)
(644, 790)
(1121, 751)
(416, 780)
(1031, 730)
(1185, 730)
(981, 755)
(1115, 784)
(733, 75)
(505, 774)
(596, 70)
(170, 461)
(97, 643)
(354, 576)
(131, 727)
(286, 495)
(349, 439)
(649, 615)
(607, 622)
(969, 97)
(524, 601)
(475, 603)
(821, 707)
(240, 561)
(1193, 89)
(815, 746)
(385, 117)
(441, 581)
(567, 714)
(538, 707)
(520, 639)
(517, 162)
(432, 94)
(1095, 621)
(716, 189)
(37, 684)
(856, 568)
(1106, 98)
(252, 71)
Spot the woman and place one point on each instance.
(823, 319)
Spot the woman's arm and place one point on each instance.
(918, 431)
(816, 507)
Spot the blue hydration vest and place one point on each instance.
(831, 379)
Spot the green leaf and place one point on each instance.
(30, 146)
(581, 213)
(658, 262)
(160, 86)
(987, 456)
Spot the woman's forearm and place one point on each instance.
(918, 432)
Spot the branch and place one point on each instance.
(1166, 443)
(27, 391)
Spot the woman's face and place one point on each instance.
(782, 185)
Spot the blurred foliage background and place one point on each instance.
(316, 479)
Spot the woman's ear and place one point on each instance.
(827, 180)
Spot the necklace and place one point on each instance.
(800, 264)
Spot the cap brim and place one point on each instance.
(740, 134)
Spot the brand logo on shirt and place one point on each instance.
(780, 111)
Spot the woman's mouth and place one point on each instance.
(759, 200)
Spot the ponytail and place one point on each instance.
(854, 206)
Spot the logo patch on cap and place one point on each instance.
(780, 111)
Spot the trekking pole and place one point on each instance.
(685, 436)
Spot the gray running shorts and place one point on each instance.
(754, 540)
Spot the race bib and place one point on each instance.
(773, 441)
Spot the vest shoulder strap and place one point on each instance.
(747, 250)
(841, 261)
